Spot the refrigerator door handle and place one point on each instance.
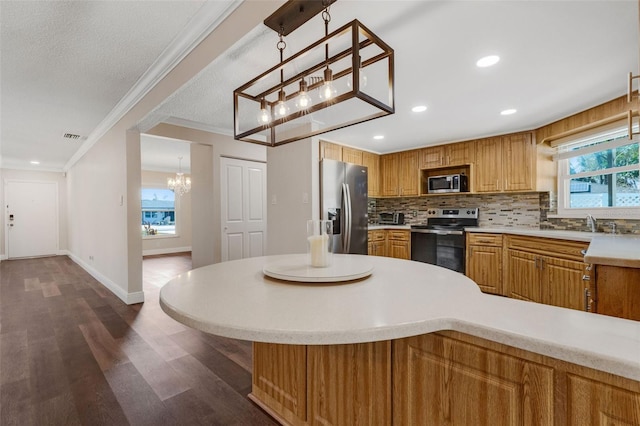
(346, 242)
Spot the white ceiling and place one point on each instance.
(64, 68)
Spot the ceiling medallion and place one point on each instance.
(316, 90)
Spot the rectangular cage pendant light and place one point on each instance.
(345, 78)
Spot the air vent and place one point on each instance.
(71, 136)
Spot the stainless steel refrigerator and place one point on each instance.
(343, 189)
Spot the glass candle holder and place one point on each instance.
(319, 242)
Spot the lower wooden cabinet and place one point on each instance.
(484, 261)
(390, 242)
(617, 291)
(546, 271)
(399, 244)
(377, 244)
(443, 378)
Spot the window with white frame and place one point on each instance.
(599, 174)
(158, 212)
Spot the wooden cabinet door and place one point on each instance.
(432, 157)
(523, 277)
(389, 165)
(458, 154)
(562, 283)
(398, 249)
(350, 384)
(282, 390)
(618, 291)
(408, 173)
(519, 162)
(484, 266)
(372, 163)
(378, 248)
(438, 380)
(353, 156)
(330, 151)
(488, 169)
(595, 403)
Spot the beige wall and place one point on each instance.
(59, 178)
(182, 242)
(206, 242)
(108, 175)
(292, 172)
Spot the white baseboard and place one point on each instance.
(3, 257)
(128, 298)
(165, 251)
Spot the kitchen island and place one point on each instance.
(413, 344)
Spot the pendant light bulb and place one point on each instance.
(281, 109)
(264, 117)
(327, 91)
(303, 101)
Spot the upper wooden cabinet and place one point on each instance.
(455, 154)
(400, 174)
(505, 163)
(330, 151)
(372, 163)
(350, 155)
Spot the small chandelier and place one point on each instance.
(345, 78)
(179, 184)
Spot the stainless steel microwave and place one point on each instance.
(448, 183)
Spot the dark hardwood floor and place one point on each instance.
(72, 353)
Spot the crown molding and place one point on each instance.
(196, 125)
(205, 20)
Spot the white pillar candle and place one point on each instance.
(319, 247)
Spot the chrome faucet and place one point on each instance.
(592, 222)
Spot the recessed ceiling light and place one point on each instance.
(508, 111)
(35, 162)
(378, 137)
(487, 61)
(419, 108)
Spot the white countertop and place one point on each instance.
(374, 227)
(400, 299)
(534, 232)
(614, 250)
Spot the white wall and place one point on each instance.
(11, 174)
(292, 172)
(181, 242)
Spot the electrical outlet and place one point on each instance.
(415, 213)
(274, 199)
(305, 198)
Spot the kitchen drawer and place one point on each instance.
(484, 239)
(377, 235)
(571, 250)
(398, 235)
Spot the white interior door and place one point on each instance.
(31, 218)
(244, 208)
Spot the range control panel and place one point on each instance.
(460, 213)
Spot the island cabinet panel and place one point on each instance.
(438, 380)
(350, 384)
(591, 402)
(618, 291)
(280, 380)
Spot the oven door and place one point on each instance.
(444, 248)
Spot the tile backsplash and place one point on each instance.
(525, 210)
